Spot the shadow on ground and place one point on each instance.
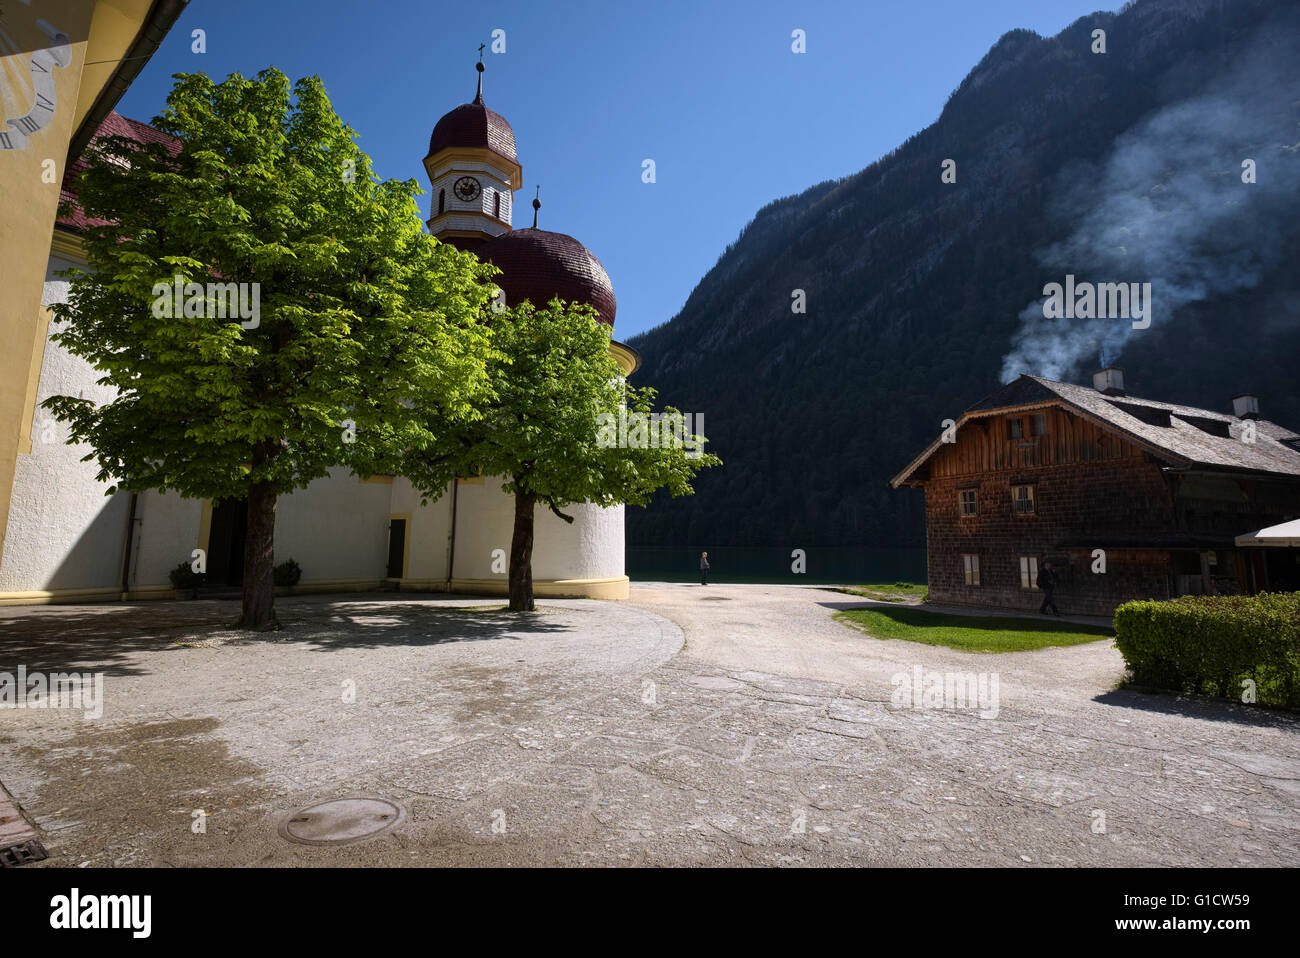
(106, 637)
(1200, 707)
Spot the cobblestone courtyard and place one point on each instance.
(719, 725)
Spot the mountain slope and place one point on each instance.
(922, 295)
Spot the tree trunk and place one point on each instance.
(259, 568)
(521, 554)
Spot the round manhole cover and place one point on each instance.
(341, 821)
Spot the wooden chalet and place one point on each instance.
(1153, 493)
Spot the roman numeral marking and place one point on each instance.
(27, 124)
(5, 142)
(44, 102)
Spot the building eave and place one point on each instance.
(160, 19)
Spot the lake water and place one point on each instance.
(847, 566)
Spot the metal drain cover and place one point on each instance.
(341, 821)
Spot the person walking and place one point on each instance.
(1047, 582)
(704, 568)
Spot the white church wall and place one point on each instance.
(427, 533)
(66, 538)
(335, 529)
(64, 534)
(484, 522)
(589, 548)
(167, 532)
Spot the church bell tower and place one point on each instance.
(474, 173)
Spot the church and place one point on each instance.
(65, 541)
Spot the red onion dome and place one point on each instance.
(540, 266)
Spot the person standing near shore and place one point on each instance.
(704, 568)
(1047, 582)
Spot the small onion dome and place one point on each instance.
(474, 125)
(540, 266)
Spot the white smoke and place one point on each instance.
(1168, 206)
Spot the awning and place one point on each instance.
(1287, 534)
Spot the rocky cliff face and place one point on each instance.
(923, 295)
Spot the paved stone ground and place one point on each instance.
(595, 737)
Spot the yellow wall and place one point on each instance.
(32, 171)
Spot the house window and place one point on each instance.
(1038, 424)
(1015, 428)
(1022, 498)
(969, 503)
(442, 201)
(970, 566)
(1028, 572)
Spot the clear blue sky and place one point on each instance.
(710, 90)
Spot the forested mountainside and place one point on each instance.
(923, 296)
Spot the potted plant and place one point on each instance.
(287, 574)
(185, 580)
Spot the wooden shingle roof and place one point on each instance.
(1181, 436)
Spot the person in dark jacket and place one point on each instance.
(1047, 582)
(704, 568)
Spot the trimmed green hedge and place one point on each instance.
(1211, 644)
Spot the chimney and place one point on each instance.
(1245, 406)
(1109, 381)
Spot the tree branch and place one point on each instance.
(550, 504)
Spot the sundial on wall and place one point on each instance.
(28, 99)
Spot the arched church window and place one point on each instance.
(498, 206)
(442, 200)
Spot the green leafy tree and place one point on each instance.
(361, 318)
(552, 432)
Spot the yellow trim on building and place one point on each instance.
(34, 381)
(614, 587)
(205, 526)
(69, 246)
(454, 157)
(628, 359)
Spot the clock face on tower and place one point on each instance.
(467, 189)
